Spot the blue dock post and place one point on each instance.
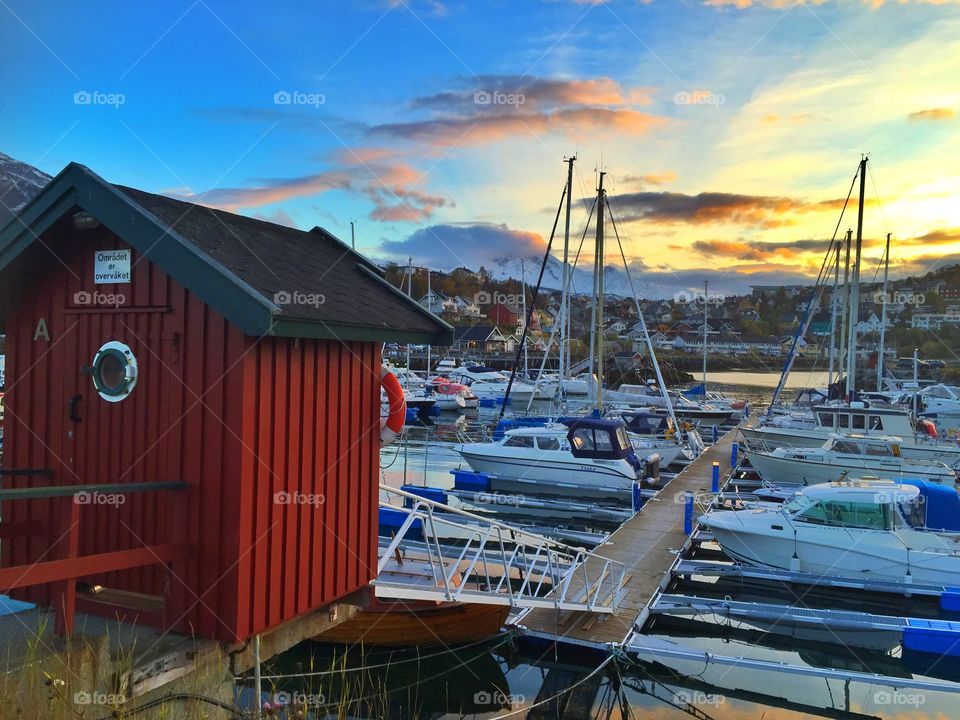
(733, 454)
(715, 435)
(746, 410)
(688, 512)
(715, 484)
(637, 497)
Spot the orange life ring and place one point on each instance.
(391, 426)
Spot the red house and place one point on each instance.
(209, 384)
(501, 314)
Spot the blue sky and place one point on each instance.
(728, 129)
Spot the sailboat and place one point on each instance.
(850, 414)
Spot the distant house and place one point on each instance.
(433, 301)
(485, 338)
(871, 325)
(468, 308)
(502, 314)
(617, 326)
(821, 324)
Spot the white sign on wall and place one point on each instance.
(111, 266)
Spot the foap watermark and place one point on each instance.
(298, 700)
(697, 697)
(99, 498)
(497, 699)
(497, 298)
(296, 97)
(899, 698)
(99, 299)
(688, 297)
(298, 498)
(496, 97)
(498, 499)
(899, 297)
(83, 697)
(296, 297)
(95, 97)
(698, 97)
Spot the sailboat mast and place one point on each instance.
(406, 375)
(833, 313)
(845, 310)
(883, 317)
(855, 289)
(523, 291)
(565, 288)
(430, 302)
(598, 329)
(706, 319)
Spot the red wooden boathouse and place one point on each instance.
(212, 381)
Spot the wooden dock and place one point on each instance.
(647, 545)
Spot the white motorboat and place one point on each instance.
(876, 530)
(418, 400)
(584, 450)
(941, 403)
(920, 442)
(446, 365)
(844, 456)
(453, 396)
(491, 384)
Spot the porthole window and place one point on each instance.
(114, 371)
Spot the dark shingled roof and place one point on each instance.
(265, 278)
(473, 333)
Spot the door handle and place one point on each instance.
(74, 406)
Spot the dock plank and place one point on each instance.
(647, 545)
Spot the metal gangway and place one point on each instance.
(446, 554)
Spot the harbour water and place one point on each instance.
(509, 677)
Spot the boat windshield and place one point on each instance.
(797, 505)
(914, 511)
(846, 446)
(864, 516)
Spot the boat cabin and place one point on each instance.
(873, 446)
(598, 439)
(865, 417)
(865, 505)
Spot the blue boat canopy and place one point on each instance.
(942, 504)
(598, 438)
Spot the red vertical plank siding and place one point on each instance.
(238, 418)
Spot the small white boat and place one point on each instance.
(843, 456)
(585, 451)
(491, 384)
(453, 396)
(868, 530)
(918, 440)
(446, 366)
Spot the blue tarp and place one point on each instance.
(942, 504)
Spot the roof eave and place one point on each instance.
(320, 330)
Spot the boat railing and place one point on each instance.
(497, 563)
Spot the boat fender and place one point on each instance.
(929, 428)
(391, 426)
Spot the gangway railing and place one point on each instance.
(490, 563)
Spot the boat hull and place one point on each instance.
(826, 551)
(774, 437)
(793, 471)
(547, 471)
(418, 623)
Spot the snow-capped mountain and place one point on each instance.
(615, 280)
(19, 184)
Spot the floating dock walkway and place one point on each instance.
(647, 544)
